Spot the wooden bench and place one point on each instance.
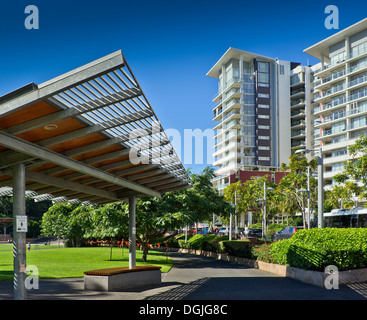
(114, 279)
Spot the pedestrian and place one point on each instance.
(246, 231)
(29, 246)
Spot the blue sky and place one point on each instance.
(170, 45)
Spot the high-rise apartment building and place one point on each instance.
(339, 106)
(253, 121)
(265, 107)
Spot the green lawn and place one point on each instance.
(72, 262)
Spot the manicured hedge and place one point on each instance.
(214, 243)
(315, 249)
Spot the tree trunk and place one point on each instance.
(145, 251)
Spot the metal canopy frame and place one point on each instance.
(89, 136)
(106, 99)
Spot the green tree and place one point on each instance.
(248, 193)
(354, 170)
(287, 193)
(67, 221)
(200, 202)
(108, 221)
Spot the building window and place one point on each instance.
(264, 158)
(263, 74)
(263, 127)
(281, 69)
(263, 67)
(263, 116)
(263, 148)
(263, 106)
(263, 95)
(338, 58)
(264, 138)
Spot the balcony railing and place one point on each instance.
(334, 76)
(357, 81)
(334, 103)
(333, 90)
(360, 94)
(300, 101)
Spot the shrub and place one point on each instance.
(262, 252)
(239, 248)
(315, 249)
(199, 242)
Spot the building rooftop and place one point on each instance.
(322, 48)
(233, 53)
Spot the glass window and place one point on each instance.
(263, 66)
(264, 77)
(263, 116)
(263, 95)
(263, 148)
(358, 122)
(281, 69)
(338, 58)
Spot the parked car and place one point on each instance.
(286, 233)
(223, 231)
(255, 232)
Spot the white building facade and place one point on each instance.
(251, 113)
(339, 107)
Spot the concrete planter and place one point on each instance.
(312, 277)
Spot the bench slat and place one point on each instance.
(113, 271)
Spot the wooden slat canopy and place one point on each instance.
(89, 135)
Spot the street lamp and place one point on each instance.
(303, 207)
(320, 184)
(236, 213)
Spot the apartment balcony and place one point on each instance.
(232, 145)
(297, 114)
(358, 95)
(325, 83)
(327, 121)
(297, 103)
(330, 174)
(298, 143)
(356, 83)
(327, 70)
(225, 159)
(299, 93)
(297, 84)
(332, 92)
(328, 135)
(329, 159)
(332, 106)
(223, 137)
(298, 124)
(298, 134)
(235, 82)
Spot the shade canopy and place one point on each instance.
(88, 136)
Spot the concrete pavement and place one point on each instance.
(197, 278)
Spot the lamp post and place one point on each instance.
(236, 214)
(264, 209)
(320, 184)
(303, 207)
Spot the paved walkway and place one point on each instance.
(197, 278)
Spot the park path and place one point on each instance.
(197, 278)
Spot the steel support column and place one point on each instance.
(132, 232)
(19, 238)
